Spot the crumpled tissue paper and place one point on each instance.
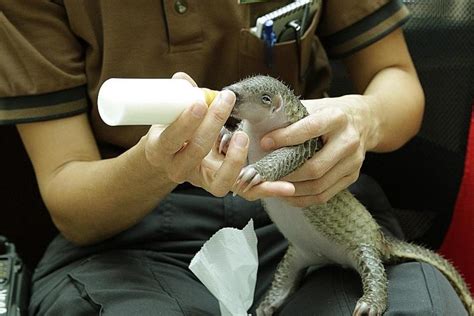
(227, 265)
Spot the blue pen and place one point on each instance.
(269, 39)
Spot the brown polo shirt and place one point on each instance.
(54, 55)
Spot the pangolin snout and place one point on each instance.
(233, 120)
(238, 99)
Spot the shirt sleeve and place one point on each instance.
(351, 25)
(41, 63)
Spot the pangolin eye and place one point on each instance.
(266, 99)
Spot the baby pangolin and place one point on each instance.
(340, 231)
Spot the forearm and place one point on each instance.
(396, 103)
(92, 200)
(384, 73)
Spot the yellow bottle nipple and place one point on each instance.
(209, 95)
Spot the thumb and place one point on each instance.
(185, 76)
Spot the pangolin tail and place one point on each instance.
(400, 251)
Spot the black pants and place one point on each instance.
(144, 270)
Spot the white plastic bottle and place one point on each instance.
(133, 101)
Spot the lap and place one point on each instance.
(126, 283)
(142, 283)
(114, 279)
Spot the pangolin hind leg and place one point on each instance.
(286, 279)
(374, 281)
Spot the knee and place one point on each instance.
(421, 289)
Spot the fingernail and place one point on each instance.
(198, 110)
(226, 96)
(241, 140)
(267, 143)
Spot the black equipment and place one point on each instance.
(14, 281)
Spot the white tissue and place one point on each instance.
(227, 265)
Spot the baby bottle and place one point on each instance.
(133, 101)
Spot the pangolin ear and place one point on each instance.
(277, 103)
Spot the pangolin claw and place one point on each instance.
(364, 309)
(248, 178)
(224, 140)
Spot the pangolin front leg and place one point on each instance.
(277, 164)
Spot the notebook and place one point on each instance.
(299, 10)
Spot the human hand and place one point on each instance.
(182, 151)
(345, 125)
(187, 150)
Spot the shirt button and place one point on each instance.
(181, 6)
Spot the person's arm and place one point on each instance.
(388, 80)
(89, 199)
(92, 199)
(384, 116)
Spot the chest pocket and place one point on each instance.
(184, 25)
(292, 60)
